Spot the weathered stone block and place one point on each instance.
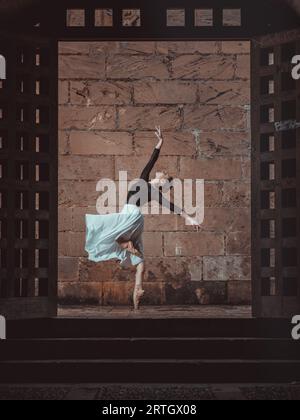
(134, 166)
(147, 117)
(75, 193)
(63, 142)
(239, 242)
(131, 17)
(213, 191)
(228, 144)
(68, 269)
(204, 17)
(87, 118)
(236, 194)
(193, 244)
(63, 92)
(208, 117)
(104, 17)
(164, 223)
(173, 269)
(81, 66)
(226, 268)
(194, 67)
(121, 293)
(74, 48)
(158, 269)
(239, 293)
(78, 217)
(210, 169)
(75, 293)
(233, 93)
(71, 244)
(228, 220)
(100, 93)
(243, 66)
(64, 219)
(235, 47)
(196, 293)
(101, 143)
(117, 292)
(106, 271)
(167, 92)
(132, 47)
(177, 143)
(136, 67)
(153, 244)
(154, 294)
(175, 17)
(75, 17)
(246, 168)
(122, 47)
(86, 168)
(188, 47)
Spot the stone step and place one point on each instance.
(144, 348)
(150, 371)
(180, 327)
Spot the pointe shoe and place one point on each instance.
(137, 296)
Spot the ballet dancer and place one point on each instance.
(120, 236)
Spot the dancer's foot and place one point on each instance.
(137, 296)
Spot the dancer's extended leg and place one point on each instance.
(138, 290)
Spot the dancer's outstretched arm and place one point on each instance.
(169, 205)
(177, 210)
(145, 175)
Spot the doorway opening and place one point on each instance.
(111, 96)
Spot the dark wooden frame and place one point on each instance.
(47, 24)
(258, 18)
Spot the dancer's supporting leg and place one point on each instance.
(138, 290)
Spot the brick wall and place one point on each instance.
(111, 97)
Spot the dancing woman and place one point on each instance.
(119, 236)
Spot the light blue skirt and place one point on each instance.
(103, 231)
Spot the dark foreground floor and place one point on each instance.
(92, 325)
(150, 392)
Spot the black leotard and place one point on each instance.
(152, 193)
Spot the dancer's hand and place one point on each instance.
(131, 248)
(159, 136)
(193, 222)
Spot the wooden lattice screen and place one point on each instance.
(276, 176)
(28, 178)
